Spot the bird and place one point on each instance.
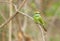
(39, 20)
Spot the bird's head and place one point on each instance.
(37, 12)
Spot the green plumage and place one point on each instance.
(38, 19)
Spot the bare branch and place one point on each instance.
(6, 22)
(21, 5)
(12, 15)
(10, 22)
(42, 32)
(25, 23)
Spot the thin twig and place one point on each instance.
(42, 32)
(22, 4)
(6, 22)
(24, 24)
(25, 18)
(14, 16)
(10, 22)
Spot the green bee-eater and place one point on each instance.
(38, 19)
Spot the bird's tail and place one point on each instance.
(44, 28)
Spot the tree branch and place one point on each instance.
(6, 22)
(12, 15)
